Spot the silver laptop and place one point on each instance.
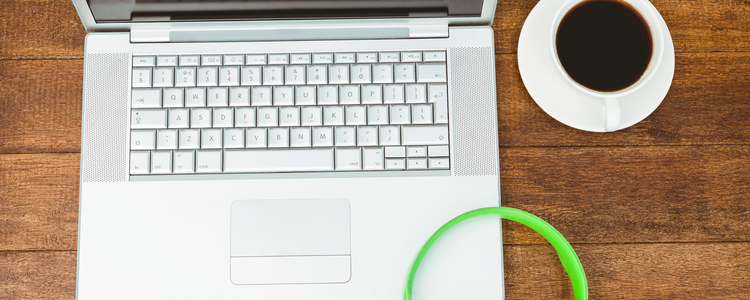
(287, 149)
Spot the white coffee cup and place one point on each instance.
(610, 100)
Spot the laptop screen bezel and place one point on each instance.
(91, 25)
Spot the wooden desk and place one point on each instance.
(660, 210)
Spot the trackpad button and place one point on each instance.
(290, 241)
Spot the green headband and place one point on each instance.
(568, 257)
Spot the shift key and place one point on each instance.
(424, 135)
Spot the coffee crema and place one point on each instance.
(604, 45)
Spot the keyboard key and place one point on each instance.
(421, 114)
(183, 162)
(278, 160)
(163, 77)
(434, 56)
(367, 57)
(328, 95)
(395, 164)
(424, 135)
(234, 138)
(289, 116)
(372, 94)
(345, 136)
(360, 74)
(260, 96)
(166, 61)
(333, 115)
(200, 118)
(148, 118)
(256, 138)
(283, 96)
(166, 139)
(256, 59)
(278, 59)
(431, 73)
(373, 159)
(415, 93)
(322, 137)
(393, 93)
(206, 76)
(437, 151)
(217, 96)
(301, 58)
(229, 76)
(268, 117)
(178, 118)
(184, 77)
(305, 95)
(239, 96)
(438, 95)
(223, 118)
(208, 161)
(300, 137)
(390, 135)
(190, 139)
(416, 163)
(141, 77)
(143, 61)
(348, 94)
(404, 73)
(367, 136)
(146, 98)
(295, 75)
(382, 73)
(174, 97)
(190, 60)
(273, 75)
(339, 74)
(322, 58)
(400, 114)
(244, 117)
(142, 140)
(389, 57)
(355, 115)
(344, 58)
(234, 60)
(411, 56)
(195, 97)
(278, 137)
(251, 75)
(211, 139)
(395, 151)
(438, 163)
(312, 116)
(161, 162)
(140, 162)
(348, 159)
(317, 74)
(211, 60)
(416, 151)
(377, 115)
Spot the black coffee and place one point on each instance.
(604, 45)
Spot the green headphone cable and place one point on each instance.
(568, 257)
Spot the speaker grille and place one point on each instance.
(104, 148)
(473, 111)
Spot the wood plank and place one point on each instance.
(38, 275)
(706, 104)
(39, 201)
(630, 194)
(704, 25)
(40, 29)
(633, 271)
(625, 195)
(40, 105)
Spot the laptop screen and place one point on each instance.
(220, 10)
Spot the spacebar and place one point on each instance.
(282, 160)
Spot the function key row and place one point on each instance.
(283, 59)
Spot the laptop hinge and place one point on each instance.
(228, 34)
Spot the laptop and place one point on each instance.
(287, 149)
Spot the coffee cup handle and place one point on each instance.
(611, 111)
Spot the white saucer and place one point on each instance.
(565, 103)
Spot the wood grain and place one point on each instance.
(40, 105)
(640, 271)
(38, 201)
(40, 29)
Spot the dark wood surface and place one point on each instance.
(660, 210)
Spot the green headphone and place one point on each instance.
(568, 257)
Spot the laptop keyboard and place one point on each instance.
(289, 112)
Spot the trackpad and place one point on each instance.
(290, 241)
